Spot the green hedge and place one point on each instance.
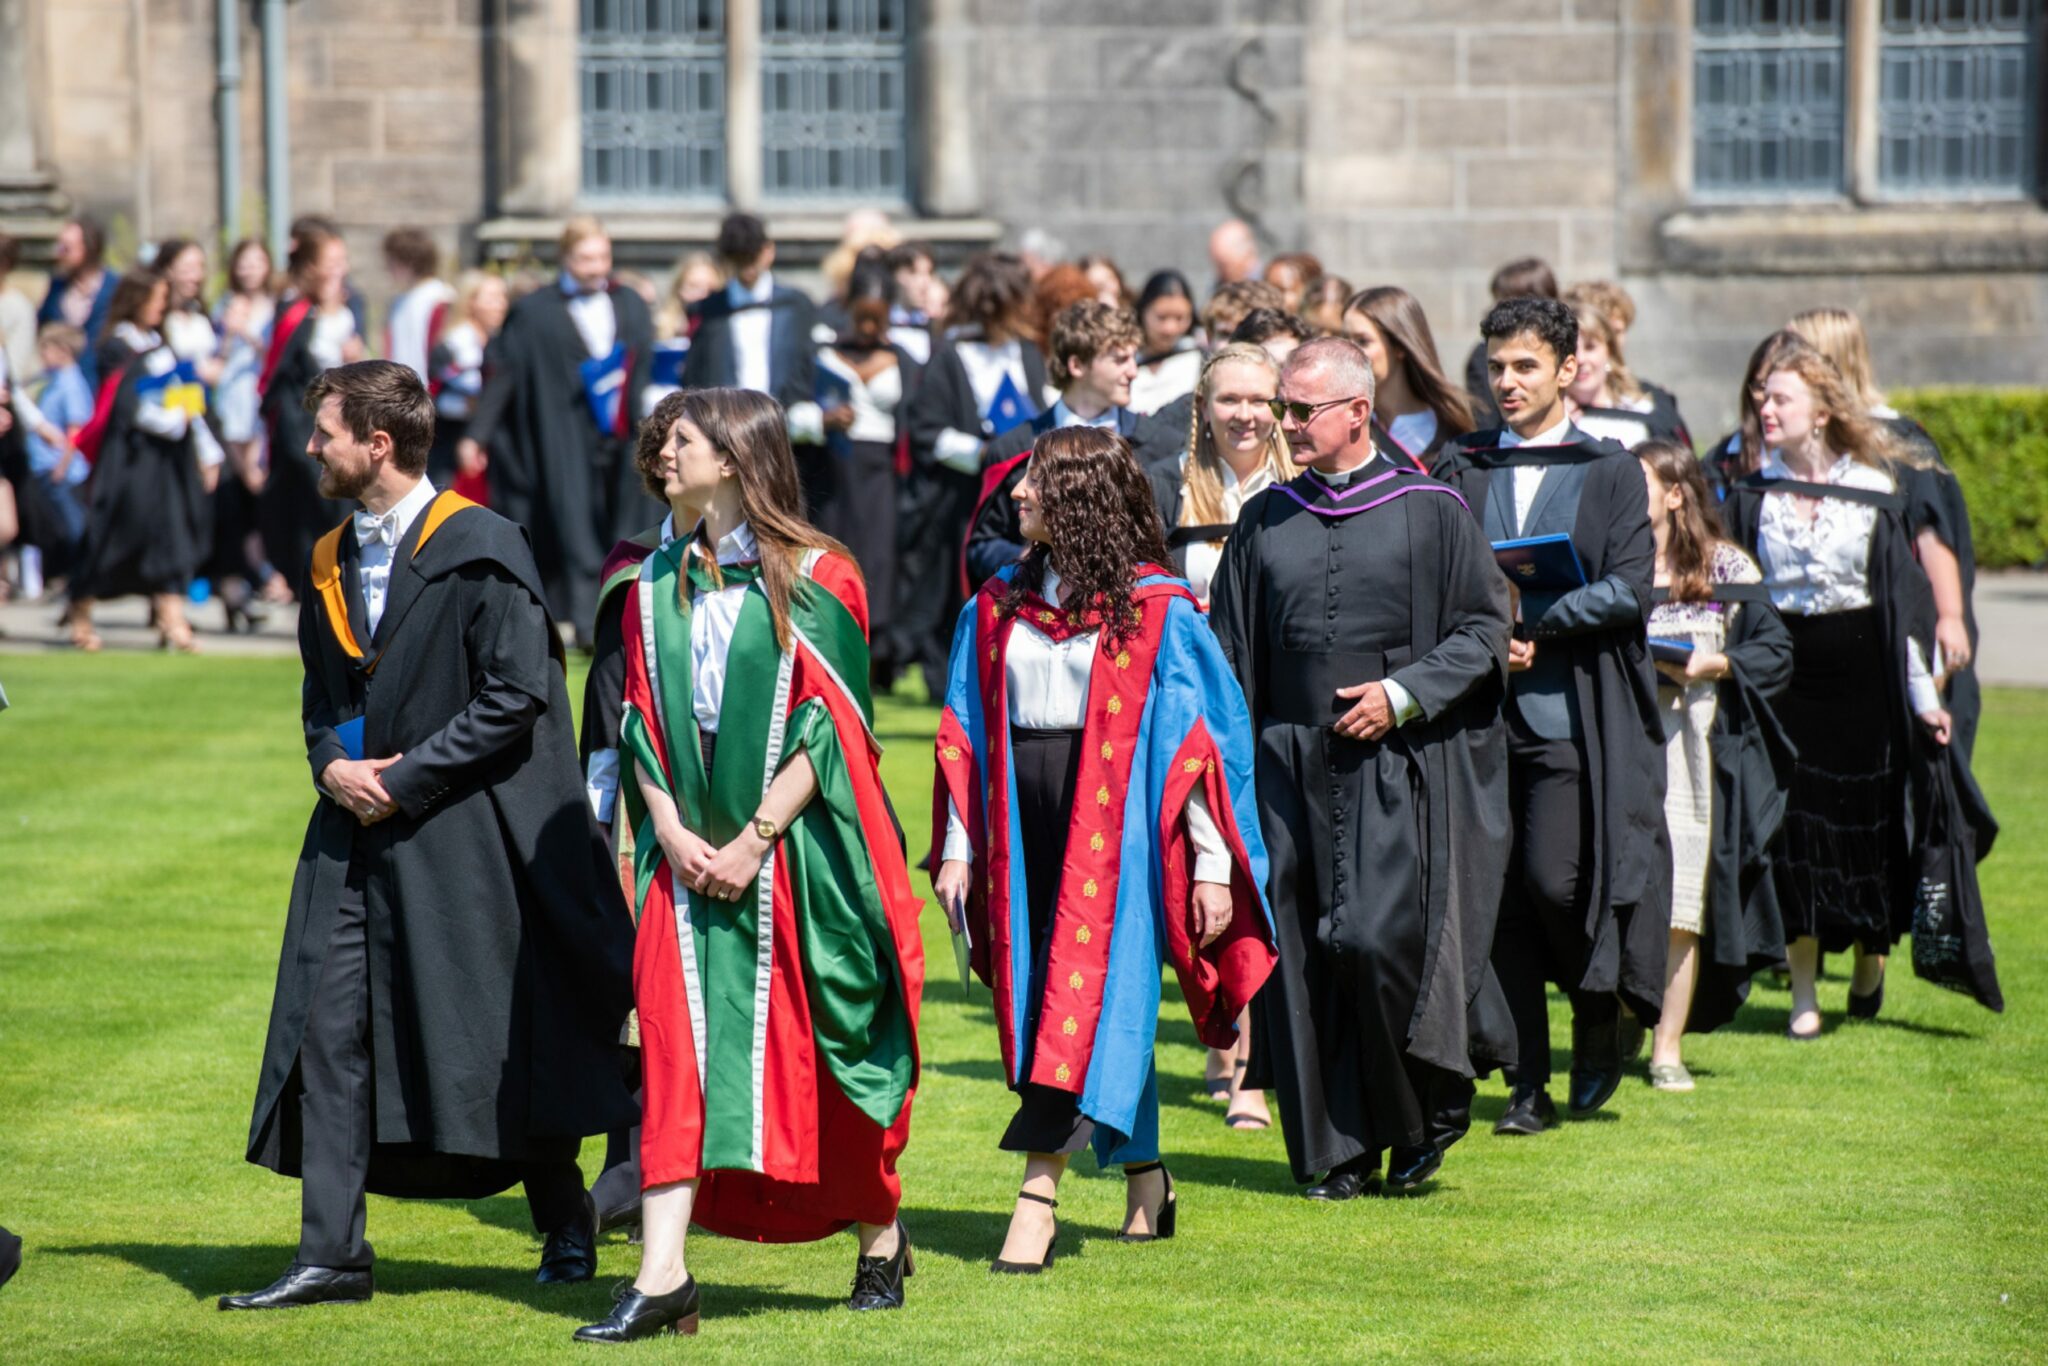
(1996, 440)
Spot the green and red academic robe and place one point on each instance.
(778, 1033)
(1165, 716)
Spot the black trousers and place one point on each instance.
(1541, 936)
(337, 1105)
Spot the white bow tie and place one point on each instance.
(374, 530)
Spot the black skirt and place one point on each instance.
(857, 507)
(1835, 869)
(1048, 1120)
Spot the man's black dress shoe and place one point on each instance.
(1596, 1065)
(1409, 1169)
(1529, 1112)
(635, 1316)
(302, 1285)
(878, 1281)
(570, 1253)
(1347, 1182)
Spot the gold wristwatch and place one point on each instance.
(765, 828)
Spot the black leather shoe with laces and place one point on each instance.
(878, 1281)
(570, 1253)
(635, 1316)
(303, 1285)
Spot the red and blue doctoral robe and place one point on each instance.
(1165, 717)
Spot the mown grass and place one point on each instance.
(1878, 1195)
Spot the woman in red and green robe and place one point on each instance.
(778, 969)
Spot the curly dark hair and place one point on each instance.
(653, 435)
(1549, 321)
(1098, 506)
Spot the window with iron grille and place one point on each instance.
(1959, 100)
(653, 99)
(834, 76)
(1767, 98)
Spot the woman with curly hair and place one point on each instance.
(1095, 817)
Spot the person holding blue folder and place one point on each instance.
(1585, 904)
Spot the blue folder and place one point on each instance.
(1541, 564)
(1009, 408)
(350, 733)
(1667, 651)
(604, 389)
(667, 362)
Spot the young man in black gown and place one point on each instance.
(1584, 906)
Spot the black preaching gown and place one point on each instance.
(572, 486)
(499, 944)
(1387, 858)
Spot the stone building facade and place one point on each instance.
(1730, 161)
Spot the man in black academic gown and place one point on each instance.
(1364, 616)
(456, 962)
(1584, 905)
(1094, 358)
(566, 382)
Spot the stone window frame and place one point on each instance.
(537, 123)
(1662, 227)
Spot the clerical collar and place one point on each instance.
(739, 296)
(1550, 436)
(1063, 416)
(1342, 477)
(734, 547)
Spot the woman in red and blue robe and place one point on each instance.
(778, 968)
(1095, 817)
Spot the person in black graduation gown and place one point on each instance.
(1094, 360)
(1584, 739)
(1366, 620)
(456, 962)
(985, 353)
(554, 468)
(1416, 408)
(142, 533)
(314, 329)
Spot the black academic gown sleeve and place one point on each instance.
(994, 536)
(1162, 436)
(1935, 503)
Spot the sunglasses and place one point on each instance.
(1302, 413)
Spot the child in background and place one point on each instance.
(56, 466)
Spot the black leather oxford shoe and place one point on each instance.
(303, 1285)
(1409, 1169)
(635, 1316)
(878, 1281)
(570, 1253)
(1529, 1112)
(1347, 1182)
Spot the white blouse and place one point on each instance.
(1204, 556)
(1046, 682)
(1821, 566)
(713, 615)
(874, 401)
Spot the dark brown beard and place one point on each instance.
(334, 484)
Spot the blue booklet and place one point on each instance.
(1009, 408)
(604, 389)
(832, 390)
(350, 733)
(667, 362)
(1667, 651)
(1541, 564)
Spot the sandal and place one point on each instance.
(1003, 1268)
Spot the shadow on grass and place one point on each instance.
(205, 1270)
(1178, 1089)
(1758, 1019)
(976, 1235)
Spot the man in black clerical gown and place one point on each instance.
(569, 349)
(1587, 904)
(456, 961)
(1368, 624)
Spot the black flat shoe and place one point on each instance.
(1163, 1218)
(878, 1281)
(570, 1253)
(1866, 1007)
(1003, 1268)
(1529, 1112)
(635, 1316)
(1409, 1169)
(1347, 1182)
(303, 1285)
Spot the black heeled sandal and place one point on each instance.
(1162, 1222)
(1003, 1268)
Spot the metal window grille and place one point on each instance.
(1959, 111)
(653, 96)
(1767, 98)
(834, 77)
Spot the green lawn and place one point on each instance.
(1882, 1194)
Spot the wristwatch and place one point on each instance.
(765, 828)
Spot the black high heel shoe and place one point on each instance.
(1162, 1222)
(635, 1316)
(1003, 1268)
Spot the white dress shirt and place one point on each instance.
(377, 539)
(752, 328)
(1529, 478)
(713, 615)
(409, 326)
(601, 769)
(1047, 685)
(1204, 556)
(597, 322)
(1820, 566)
(986, 368)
